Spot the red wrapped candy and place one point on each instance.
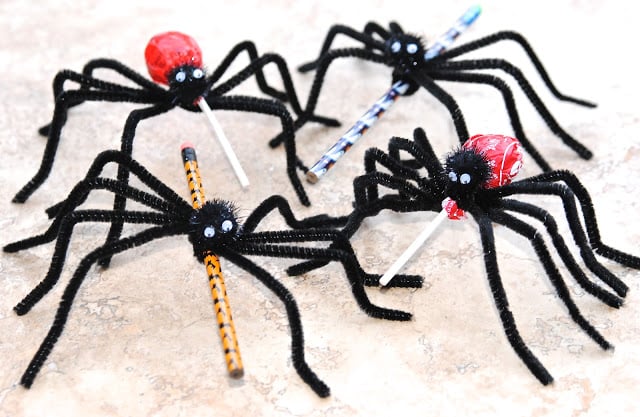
(168, 51)
(502, 152)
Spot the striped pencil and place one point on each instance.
(212, 264)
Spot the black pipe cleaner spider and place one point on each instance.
(174, 59)
(417, 66)
(214, 228)
(468, 182)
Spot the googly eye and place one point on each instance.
(226, 226)
(465, 178)
(412, 48)
(209, 232)
(453, 177)
(197, 73)
(395, 47)
(181, 76)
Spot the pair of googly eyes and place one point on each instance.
(464, 178)
(411, 48)
(210, 231)
(182, 75)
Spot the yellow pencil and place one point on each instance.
(216, 280)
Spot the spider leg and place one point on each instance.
(567, 196)
(135, 169)
(502, 303)
(538, 104)
(271, 244)
(273, 108)
(589, 216)
(59, 116)
(509, 102)
(560, 286)
(366, 38)
(318, 80)
(519, 39)
(78, 196)
(255, 67)
(63, 238)
(282, 205)
(421, 151)
(402, 169)
(361, 212)
(74, 285)
(373, 28)
(295, 323)
(447, 100)
(252, 51)
(367, 203)
(126, 147)
(566, 256)
(123, 70)
(89, 83)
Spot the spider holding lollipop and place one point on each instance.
(476, 179)
(175, 60)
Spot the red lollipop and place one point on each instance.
(169, 50)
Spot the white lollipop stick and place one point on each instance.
(415, 245)
(224, 142)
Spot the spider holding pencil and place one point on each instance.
(415, 66)
(214, 230)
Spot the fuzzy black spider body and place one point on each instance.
(421, 67)
(191, 86)
(174, 59)
(472, 182)
(212, 228)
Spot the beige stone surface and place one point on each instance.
(141, 338)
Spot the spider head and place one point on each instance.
(466, 171)
(214, 225)
(404, 52)
(188, 83)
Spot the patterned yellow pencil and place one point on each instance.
(216, 280)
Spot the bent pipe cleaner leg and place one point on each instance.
(72, 289)
(534, 99)
(509, 102)
(346, 258)
(318, 81)
(59, 115)
(282, 205)
(552, 272)
(252, 51)
(351, 33)
(126, 147)
(77, 197)
(573, 219)
(135, 169)
(589, 216)
(566, 256)
(447, 100)
(293, 316)
(502, 303)
(355, 219)
(63, 241)
(519, 39)
(89, 84)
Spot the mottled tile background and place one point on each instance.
(142, 338)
